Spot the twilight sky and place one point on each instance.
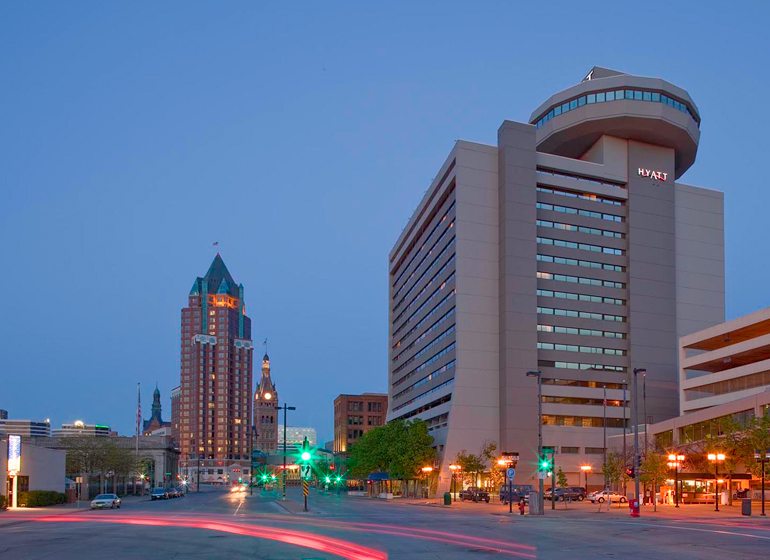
(301, 137)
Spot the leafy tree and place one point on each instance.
(471, 465)
(614, 469)
(561, 479)
(654, 470)
(756, 438)
(400, 448)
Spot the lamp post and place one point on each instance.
(674, 462)
(762, 459)
(426, 472)
(285, 408)
(636, 433)
(586, 469)
(454, 469)
(716, 458)
(541, 485)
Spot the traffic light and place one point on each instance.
(327, 479)
(545, 463)
(630, 472)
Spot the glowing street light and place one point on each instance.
(675, 461)
(454, 469)
(716, 458)
(586, 470)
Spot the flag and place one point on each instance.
(138, 409)
(215, 244)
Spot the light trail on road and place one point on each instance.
(320, 543)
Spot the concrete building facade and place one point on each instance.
(354, 415)
(570, 248)
(25, 428)
(41, 468)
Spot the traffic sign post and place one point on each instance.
(510, 472)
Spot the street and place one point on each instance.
(215, 524)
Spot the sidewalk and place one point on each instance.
(685, 512)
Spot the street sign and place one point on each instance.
(306, 472)
(510, 472)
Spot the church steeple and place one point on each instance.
(266, 411)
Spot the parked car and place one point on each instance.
(103, 501)
(575, 493)
(474, 493)
(518, 491)
(174, 492)
(159, 494)
(604, 495)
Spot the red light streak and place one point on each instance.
(337, 547)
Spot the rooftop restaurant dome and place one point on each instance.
(610, 102)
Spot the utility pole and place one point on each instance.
(285, 408)
(636, 434)
(541, 483)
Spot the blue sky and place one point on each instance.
(300, 136)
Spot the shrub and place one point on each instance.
(41, 498)
(2, 502)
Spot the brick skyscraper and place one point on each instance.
(216, 379)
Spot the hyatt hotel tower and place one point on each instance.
(570, 248)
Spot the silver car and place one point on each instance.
(103, 501)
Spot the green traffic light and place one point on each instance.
(272, 476)
(327, 479)
(305, 456)
(339, 478)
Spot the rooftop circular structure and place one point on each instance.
(611, 103)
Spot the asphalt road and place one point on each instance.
(214, 524)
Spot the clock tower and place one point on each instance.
(266, 411)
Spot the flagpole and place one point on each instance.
(138, 420)
(604, 405)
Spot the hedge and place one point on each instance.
(2, 502)
(41, 498)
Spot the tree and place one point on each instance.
(653, 471)
(756, 438)
(561, 479)
(400, 448)
(470, 465)
(496, 471)
(614, 469)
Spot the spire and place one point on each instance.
(216, 275)
(196, 290)
(156, 409)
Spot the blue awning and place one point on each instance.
(378, 476)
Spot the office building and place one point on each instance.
(3, 414)
(572, 248)
(25, 428)
(216, 381)
(80, 428)
(354, 415)
(295, 435)
(176, 393)
(266, 411)
(724, 371)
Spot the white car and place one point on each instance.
(103, 501)
(605, 495)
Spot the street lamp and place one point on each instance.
(426, 472)
(454, 469)
(586, 469)
(674, 462)
(758, 456)
(541, 488)
(636, 461)
(285, 408)
(716, 458)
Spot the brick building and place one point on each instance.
(354, 415)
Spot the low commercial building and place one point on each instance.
(724, 373)
(25, 428)
(39, 468)
(80, 428)
(354, 415)
(295, 435)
